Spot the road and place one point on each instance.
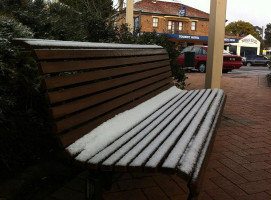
(251, 70)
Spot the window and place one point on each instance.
(175, 27)
(197, 50)
(155, 22)
(169, 26)
(204, 52)
(180, 26)
(193, 26)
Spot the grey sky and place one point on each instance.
(258, 13)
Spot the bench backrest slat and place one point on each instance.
(54, 67)
(48, 54)
(99, 109)
(71, 79)
(75, 134)
(76, 105)
(88, 84)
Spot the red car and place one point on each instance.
(230, 61)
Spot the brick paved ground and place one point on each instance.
(240, 164)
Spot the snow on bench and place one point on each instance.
(167, 131)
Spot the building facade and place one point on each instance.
(247, 45)
(185, 25)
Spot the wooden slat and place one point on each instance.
(68, 138)
(103, 108)
(62, 66)
(60, 81)
(145, 125)
(80, 104)
(33, 43)
(48, 54)
(196, 179)
(70, 93)
(131, 149)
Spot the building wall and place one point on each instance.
(147, 25)
(165, 11)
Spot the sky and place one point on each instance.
(258, 13)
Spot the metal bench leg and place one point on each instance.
(94, 187)
(193, 192)
(193, 195)
(95, 183)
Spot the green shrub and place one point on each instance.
(163, 40)
(52, 21)
(23, 119)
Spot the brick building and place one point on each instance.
(183, 24)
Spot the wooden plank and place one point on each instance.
(51, 54)
(63, 66)
(136, 152)
(71, 136)
(68, 108)
(91, 113)
(145, 125)
(194, 117)
(63, 95)
(60, 81)
(197, 177)
(59, 44)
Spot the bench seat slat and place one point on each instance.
(48, 54)
(175, 155)
(176, 129)
(91, 113)
(116, 126)
(145, 124)
(65, 80)
(192, 154)
(79, 132)
(74, 65)
(158, 139)
(162, 130)
(150, 131)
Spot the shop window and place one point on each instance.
(233, 49)
(193, 26)
(155, 22)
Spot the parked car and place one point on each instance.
(256, 60)
(230, 61)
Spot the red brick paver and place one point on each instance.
(240, 163)
(242, 144)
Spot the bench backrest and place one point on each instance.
(89, 83)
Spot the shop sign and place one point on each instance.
(182, 12)
(250, 41)
(189, 37)
(197, 37)
(230, 40)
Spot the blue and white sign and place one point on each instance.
(197, 37)
(182, 12)
(231, 40)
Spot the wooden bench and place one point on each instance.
(116, 109)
